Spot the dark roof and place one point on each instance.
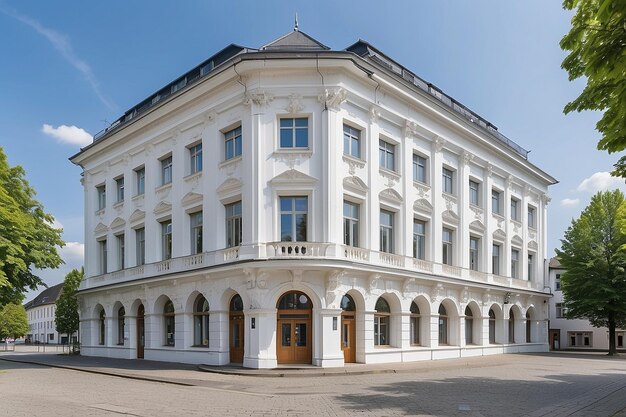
(295, 41)
(554, 263)
(48, 296)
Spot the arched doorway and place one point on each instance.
(469, 326)
(492, 327)
(528, 328)
(511, 326)
(236, 329)
(348, 329)
(141, 331)
(443, 325)
(294, 328)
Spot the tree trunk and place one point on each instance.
(612, 349)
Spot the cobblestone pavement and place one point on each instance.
(511, 385)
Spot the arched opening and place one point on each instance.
(141, 331)
(381, 322)
(294, 328)
(169, 320)
(348, 329)
(511, 326)
(443, 325)
(469, 326)
(201, 322)
(236, 319)
(528, 327)
(102, 328)
(492, 327)
(415, 324)
(121, 314)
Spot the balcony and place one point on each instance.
(304, 251)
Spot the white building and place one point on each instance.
(574, 334)
(294, 204)
(41, 311)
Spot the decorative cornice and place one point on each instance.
(230, 186)
(191, 198)
(353, 163)
(333, 99)
(422, 189)
(162, 207)
(293, 176)
(422, 205)
(390, 195)
(117, 223)
(355, 184)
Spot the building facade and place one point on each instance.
(574, 334)
(40, 312)
(295, 204)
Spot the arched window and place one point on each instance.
(236, 303)
(347, 303)
(415, 324)
(120, 325)
(381, 322)
(201, 322)
(443, 325)
(528, 324)
(469, 326)
(511, 327)
(170, 323)
(295, 300)
(102, 328)
(492, 327)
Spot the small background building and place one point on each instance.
(574, 333)
(41, 312)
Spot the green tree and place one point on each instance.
(27, 238)
(592, 253)
(597, 51)
(66, 316)
(13, 321)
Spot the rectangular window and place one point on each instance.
(580, 339)
(102, 196)
(473, 193)
(103, 256)
(447, 180)
(514, 263)
(195, 158)
(140, 242)
(419, 239)
(166, 240)
(119, 189)
(233, 224)
(351, 141)
(140, 175)
(446, 238)
(120, 251)
(419, 169)
(531, 217)
(495, 259)
(474, 253)
(496, 207)
(293, 219)
(386, 231)
(166, 170)
(557, 283)
(232, 143)
(294, 133)
(179, 84)
(195, 222)
(531, 266)
(386, 155)
(514, 209)
(350, 224)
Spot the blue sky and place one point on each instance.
(81, 64)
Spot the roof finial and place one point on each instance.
(295, 27)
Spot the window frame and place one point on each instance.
(167, 164)
(474, 193)
(498, 263)
(140, 246)
(515, 263)
(119, 189)
(351, 224)
(195, 158)
(447, 181)
(351, 136)
(532, 216)
(388, 230)
(515, 206)
(169, 318)
(232, 136)
(201, 322)
(386, 150)
(120, 240)
(101, 196)
(382, 324)
(196, 229)
(447, 246)
(474, 253)
(294, 213)
(417, 238)
(121, 315)
(233, 223)
(420, 168)
(496, 201)
(140, 180)
(166, 239)
(294, 132)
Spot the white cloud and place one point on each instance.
(600, 181)
(570, 202)
(68, 134)
(73, 253)
(62, 44)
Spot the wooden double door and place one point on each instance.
(294, 338)
(236, 337)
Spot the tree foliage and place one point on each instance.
(27, 238)
(597, 51)
(594, 257)
(13, 321)
(66, 316)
